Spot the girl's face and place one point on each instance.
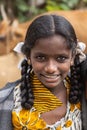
(51, 60)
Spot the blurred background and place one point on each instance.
(15, 17)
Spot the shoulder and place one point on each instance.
(7, 90)
(10, 85)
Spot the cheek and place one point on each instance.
(65, 68)
(37, 67)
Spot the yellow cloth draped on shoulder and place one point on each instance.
(44, 101)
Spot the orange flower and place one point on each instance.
(27, 119)
(59, 128)
(72, 106)
(24, 115)
(68, 123)
(40, 124)
(15, 121)
(78, 105)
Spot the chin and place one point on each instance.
(50, 85)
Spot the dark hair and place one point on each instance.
(84, 100)
(48, 25)
(42, 27)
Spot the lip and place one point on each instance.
(51, 78)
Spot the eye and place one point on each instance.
(62, 59)
(40, 58)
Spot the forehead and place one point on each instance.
(52, 44)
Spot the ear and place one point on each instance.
(29, 62)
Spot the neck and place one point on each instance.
(58, 89)
(60, 92)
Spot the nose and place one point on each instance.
(50, 67)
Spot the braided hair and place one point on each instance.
(26, 86)
(84, 99)
(42, 27)
(76, 83)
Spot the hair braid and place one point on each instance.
(76, 84)
(84, 100)
(26, 86)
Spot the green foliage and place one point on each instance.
(61, 5)
(55, 5)
(22, 9)
(85, 1)
(26, 12)
(22, 6)
(51, 5)
(71, 3)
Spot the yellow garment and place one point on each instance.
(30, 120)
(27, 120)
(44, 101)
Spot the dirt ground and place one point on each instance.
(9, 68)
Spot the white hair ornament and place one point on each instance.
(18, 47)
(80, 50)
(18, 50)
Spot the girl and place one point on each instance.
(49, 94)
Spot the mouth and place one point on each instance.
(51, 78)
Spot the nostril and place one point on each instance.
(50, 69)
